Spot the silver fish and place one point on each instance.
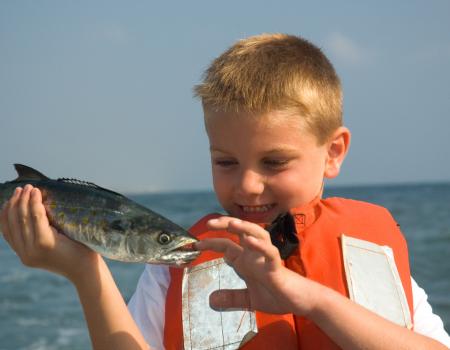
(106, 221)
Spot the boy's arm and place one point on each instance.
(354, 327)
(109, 322)
(275, 289)
(26, 229)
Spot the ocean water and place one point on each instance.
(40, 311)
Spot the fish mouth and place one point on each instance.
(181, 254)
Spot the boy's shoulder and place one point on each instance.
(354, 207)
(371, 221)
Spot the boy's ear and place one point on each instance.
(337, 147)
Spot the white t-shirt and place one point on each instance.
(147, 305)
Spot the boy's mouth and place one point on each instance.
(256, 208)
(256, 213)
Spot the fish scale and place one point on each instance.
(106, 221)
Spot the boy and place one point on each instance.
(272, 108)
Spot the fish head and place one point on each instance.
(156, 240)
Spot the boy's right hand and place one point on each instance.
(271, 287)
(27, 230)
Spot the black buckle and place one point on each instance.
(283, 234)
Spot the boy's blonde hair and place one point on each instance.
(271, 72)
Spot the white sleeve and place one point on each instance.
(425, 321)
(147, 305)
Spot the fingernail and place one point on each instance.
(235, 221)
(213, 221)
(17, 190)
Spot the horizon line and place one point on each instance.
(327, 186)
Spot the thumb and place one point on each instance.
(230, 300)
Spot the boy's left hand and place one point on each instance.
(28, 232)
(258, 262)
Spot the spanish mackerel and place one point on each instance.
(106, 221)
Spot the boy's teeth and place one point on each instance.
(256, 209)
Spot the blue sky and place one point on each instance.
(102, 90)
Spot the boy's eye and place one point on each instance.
(225, 162)
(276, 163)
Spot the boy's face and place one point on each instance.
(263, 166)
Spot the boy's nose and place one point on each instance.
(250, 182)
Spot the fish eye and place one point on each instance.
(164, 238)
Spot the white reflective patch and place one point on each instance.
(373, 280)
(203, 327)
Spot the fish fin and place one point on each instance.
(26, 173)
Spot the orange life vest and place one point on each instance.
(319, 227)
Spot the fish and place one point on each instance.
(106, 221)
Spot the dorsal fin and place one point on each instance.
(26, 173)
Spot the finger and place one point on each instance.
(264, 248)
(238, 226)
(4, 217)
(15, 236)
(24, 217)
(217, 244)
(38, 216)
(4, 225)
(230, 299)
(251, 235)
(220, 223)
(230, 249)
(246, 228)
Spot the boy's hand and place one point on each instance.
(270, 286)
(26, 228)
